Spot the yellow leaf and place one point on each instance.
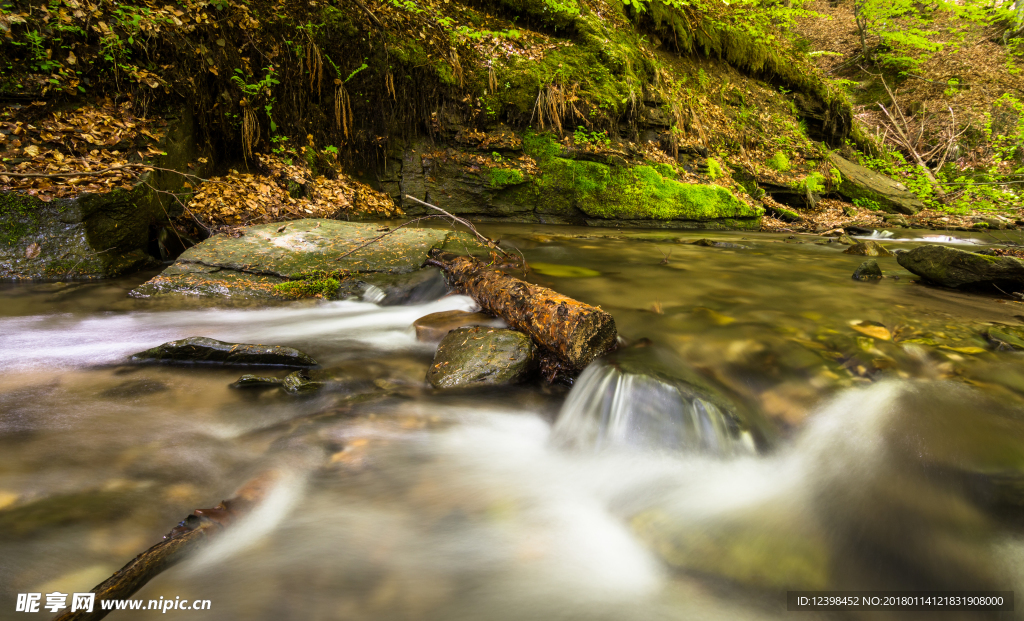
(964, 350)
(872, 329)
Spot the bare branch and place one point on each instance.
(466, 223)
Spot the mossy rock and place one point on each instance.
(565, 190)
(955, 268)
(95, 235)
(305, 260)
(864, 184)
(482, 356)
(868, 248)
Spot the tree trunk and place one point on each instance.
(575, 332)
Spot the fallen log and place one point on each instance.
(575, 332)
(191, 535)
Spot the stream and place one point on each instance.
(888, 451)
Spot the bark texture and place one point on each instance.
(575, 332)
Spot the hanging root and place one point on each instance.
(315, 65)
(554, 103)
(389, 85)
(457, 67)
(492, 79)
(250, 128)
(343, 118)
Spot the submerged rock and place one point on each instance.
(201, 349)
(299, 383)
(479, 356)
(711, 243)
(868, 248)
(765, 546)
(1004, 340)
(435, 326)
(256, 381)
(868, 270)
(951, 267)
(858, 182)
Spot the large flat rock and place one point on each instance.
(248, 267)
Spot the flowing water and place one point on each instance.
(770, 424)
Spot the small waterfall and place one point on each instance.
(618, 403)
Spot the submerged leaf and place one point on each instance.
(563, 271)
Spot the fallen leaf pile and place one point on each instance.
(243, 199)
(87, 139)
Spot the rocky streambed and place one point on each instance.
(404, 429)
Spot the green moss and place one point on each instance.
(642, 193)
(313, 285)
(17, 217)
(501, 178)
(646, 192)
(541, 146)
(666, 171)
(778, 162)
(714, 169)
(815, 183)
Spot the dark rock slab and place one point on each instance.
(201, 349)
(482, 356)
(951, 267)
(866, 184)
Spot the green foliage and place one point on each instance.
(596, 138)
(778, 162)
(867, 203)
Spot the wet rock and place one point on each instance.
(846, 240)
(868, 270)
(435, 326)
(863, 183)
(480, 356)
(299, 383)
(868, 248)
(951, 267)
(198, 349)
(256, 381)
